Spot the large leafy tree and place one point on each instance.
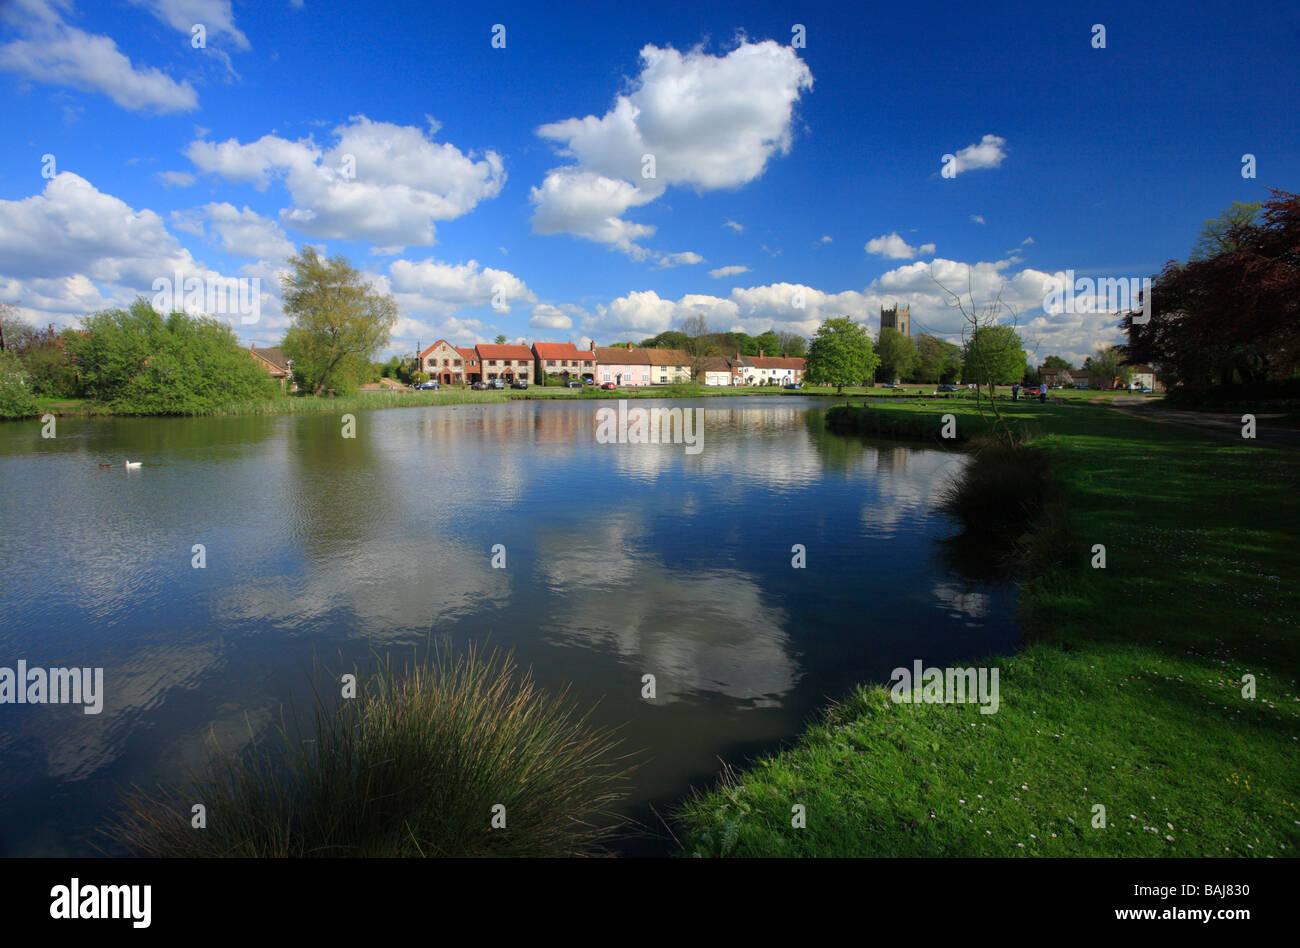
(1230, 317)
(16, 397)
(699, 345)
(1108, 363)
(339, 322)
(793, 345)
(841, 354)
(994, 355)
(768, 343)
(668, 339)
(1058, 363)
(1227, 233)
(898, 357)
(937, 360)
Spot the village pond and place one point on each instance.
(620, 560)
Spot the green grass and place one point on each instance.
(414, 765)
(1127, 692)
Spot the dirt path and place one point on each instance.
(1223, 424)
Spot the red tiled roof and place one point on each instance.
(272, 357)
(668, 357)
(467, 353)
(504, 352)
(440, 342)
(775, 362)
(617, 355)
(561, 350)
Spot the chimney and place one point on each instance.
(760, 353)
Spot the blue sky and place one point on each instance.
(503, 189)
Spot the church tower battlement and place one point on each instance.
(895, 318)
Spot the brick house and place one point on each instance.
(473, 371)
(275, 363)
(443, 363)
(563, 360)
(1055, 377)
(510, 363)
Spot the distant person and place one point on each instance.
(1042, 392)
(1015, 392)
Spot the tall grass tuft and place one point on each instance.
(412, 766)
(1002, 491)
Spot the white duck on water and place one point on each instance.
(132, 465)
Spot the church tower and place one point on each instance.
(895, 318)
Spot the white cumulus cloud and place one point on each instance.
(380, 182)
(708, 122)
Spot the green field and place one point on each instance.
(1127, 692)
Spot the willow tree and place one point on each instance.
(339, 321)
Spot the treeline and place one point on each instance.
(131, 361)
(770, 343)
(138, 361)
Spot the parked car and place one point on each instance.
(609, 386)
(791, 385)
(479, 386)
(573, 383)
(519, 383)
(429, 386)
(496, 383)
(889, 385)
(947, 388)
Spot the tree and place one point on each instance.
(937, 360)
(898, 356)
(140, 362)
(1057, 363)
(699, 344)
(668, 339)
(1229, 318)
(768, 343)
(793, 344)
(1108, 364)
(14, 330)
(1226, 233)
(991, 349)
(501, 339)
(16, 398)
(339, 321)
(993, 355)
(841, 354)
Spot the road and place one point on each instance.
(1224, 424)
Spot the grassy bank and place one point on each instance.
(406, 398)
(416, 764)
(1127, 693)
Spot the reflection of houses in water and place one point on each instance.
(892, 458)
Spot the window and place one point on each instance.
(550, 362)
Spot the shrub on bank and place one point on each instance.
(16, 397)
(414, 765)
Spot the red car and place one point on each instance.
(609, 386)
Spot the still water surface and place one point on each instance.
(622, 560)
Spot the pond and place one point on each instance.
(620, 560)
